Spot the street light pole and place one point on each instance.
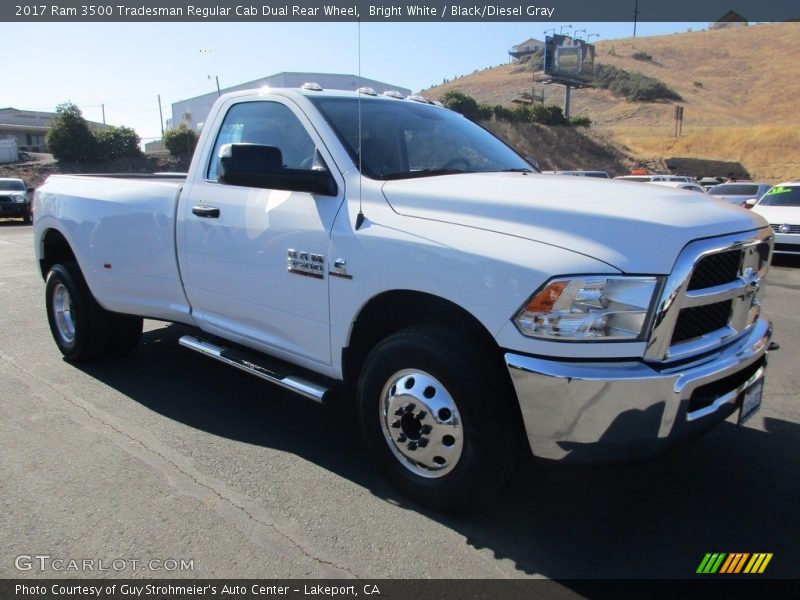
(216, 78)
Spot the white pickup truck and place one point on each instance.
(390, 249)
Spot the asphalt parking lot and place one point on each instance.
(167, 456)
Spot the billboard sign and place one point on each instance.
(568, 59)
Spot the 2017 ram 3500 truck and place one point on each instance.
(396, 250)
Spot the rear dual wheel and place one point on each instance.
(81, 328)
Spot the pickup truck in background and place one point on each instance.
(474, 309)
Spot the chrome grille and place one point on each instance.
(712, 295)
(792, 228)
(699, 320)
(716, 269)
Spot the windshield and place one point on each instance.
(735, 190)
(781, 196)
(12, 185)
(402, 139)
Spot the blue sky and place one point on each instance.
(126, 65)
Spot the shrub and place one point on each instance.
(485, 112)
(632, 86)
(180, 140)
(461, 102)
(547, 114)
(117, 142)
(643, 56)
(501, 113)
(580, 121)
(69, 137)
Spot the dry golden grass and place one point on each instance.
(741, 98)
(768, 152)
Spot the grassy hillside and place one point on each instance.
(740, 96)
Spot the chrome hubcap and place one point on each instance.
(421, 424)
(62, 307)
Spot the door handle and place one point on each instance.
(207, 212)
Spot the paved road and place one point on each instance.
(167, 455)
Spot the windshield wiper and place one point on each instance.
(518, 170)
(422, 173)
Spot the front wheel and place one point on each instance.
(441, 430)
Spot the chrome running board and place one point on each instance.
(304, 387)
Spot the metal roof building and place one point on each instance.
(194, 111)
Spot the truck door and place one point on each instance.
(236, 244)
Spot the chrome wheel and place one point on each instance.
(62, 311)
(421, 423)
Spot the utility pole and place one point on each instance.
(103, 107)
(635, 15)
(678, 121)
(160, 115)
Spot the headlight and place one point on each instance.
(19, 198)
(589, 308)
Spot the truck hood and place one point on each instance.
(633, 227)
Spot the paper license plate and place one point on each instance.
(751, 401)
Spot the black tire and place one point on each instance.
(27, 218)
(80, 326)
(126, 331)
(483, 450)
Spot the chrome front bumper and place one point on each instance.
(606, 411)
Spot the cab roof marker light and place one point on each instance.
(393, 94)
(437, 103)
(311, 86)
(418, 98)
(367, 91)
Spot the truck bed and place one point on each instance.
(123, 236)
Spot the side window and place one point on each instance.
(270, 124)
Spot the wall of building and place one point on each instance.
(8, 151)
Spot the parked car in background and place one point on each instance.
(709, 182)
(780, 206)
(600, 174)
(681, 185)
(657, 177)
(740, 192)
(14, 199)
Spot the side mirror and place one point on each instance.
(30, 189)
(259, 166)
(750, 203)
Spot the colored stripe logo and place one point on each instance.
(734, 563)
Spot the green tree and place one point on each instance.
(462, 103)
(180, 140)
(117, 142)
(69, 137)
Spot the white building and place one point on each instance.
(194, 111)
